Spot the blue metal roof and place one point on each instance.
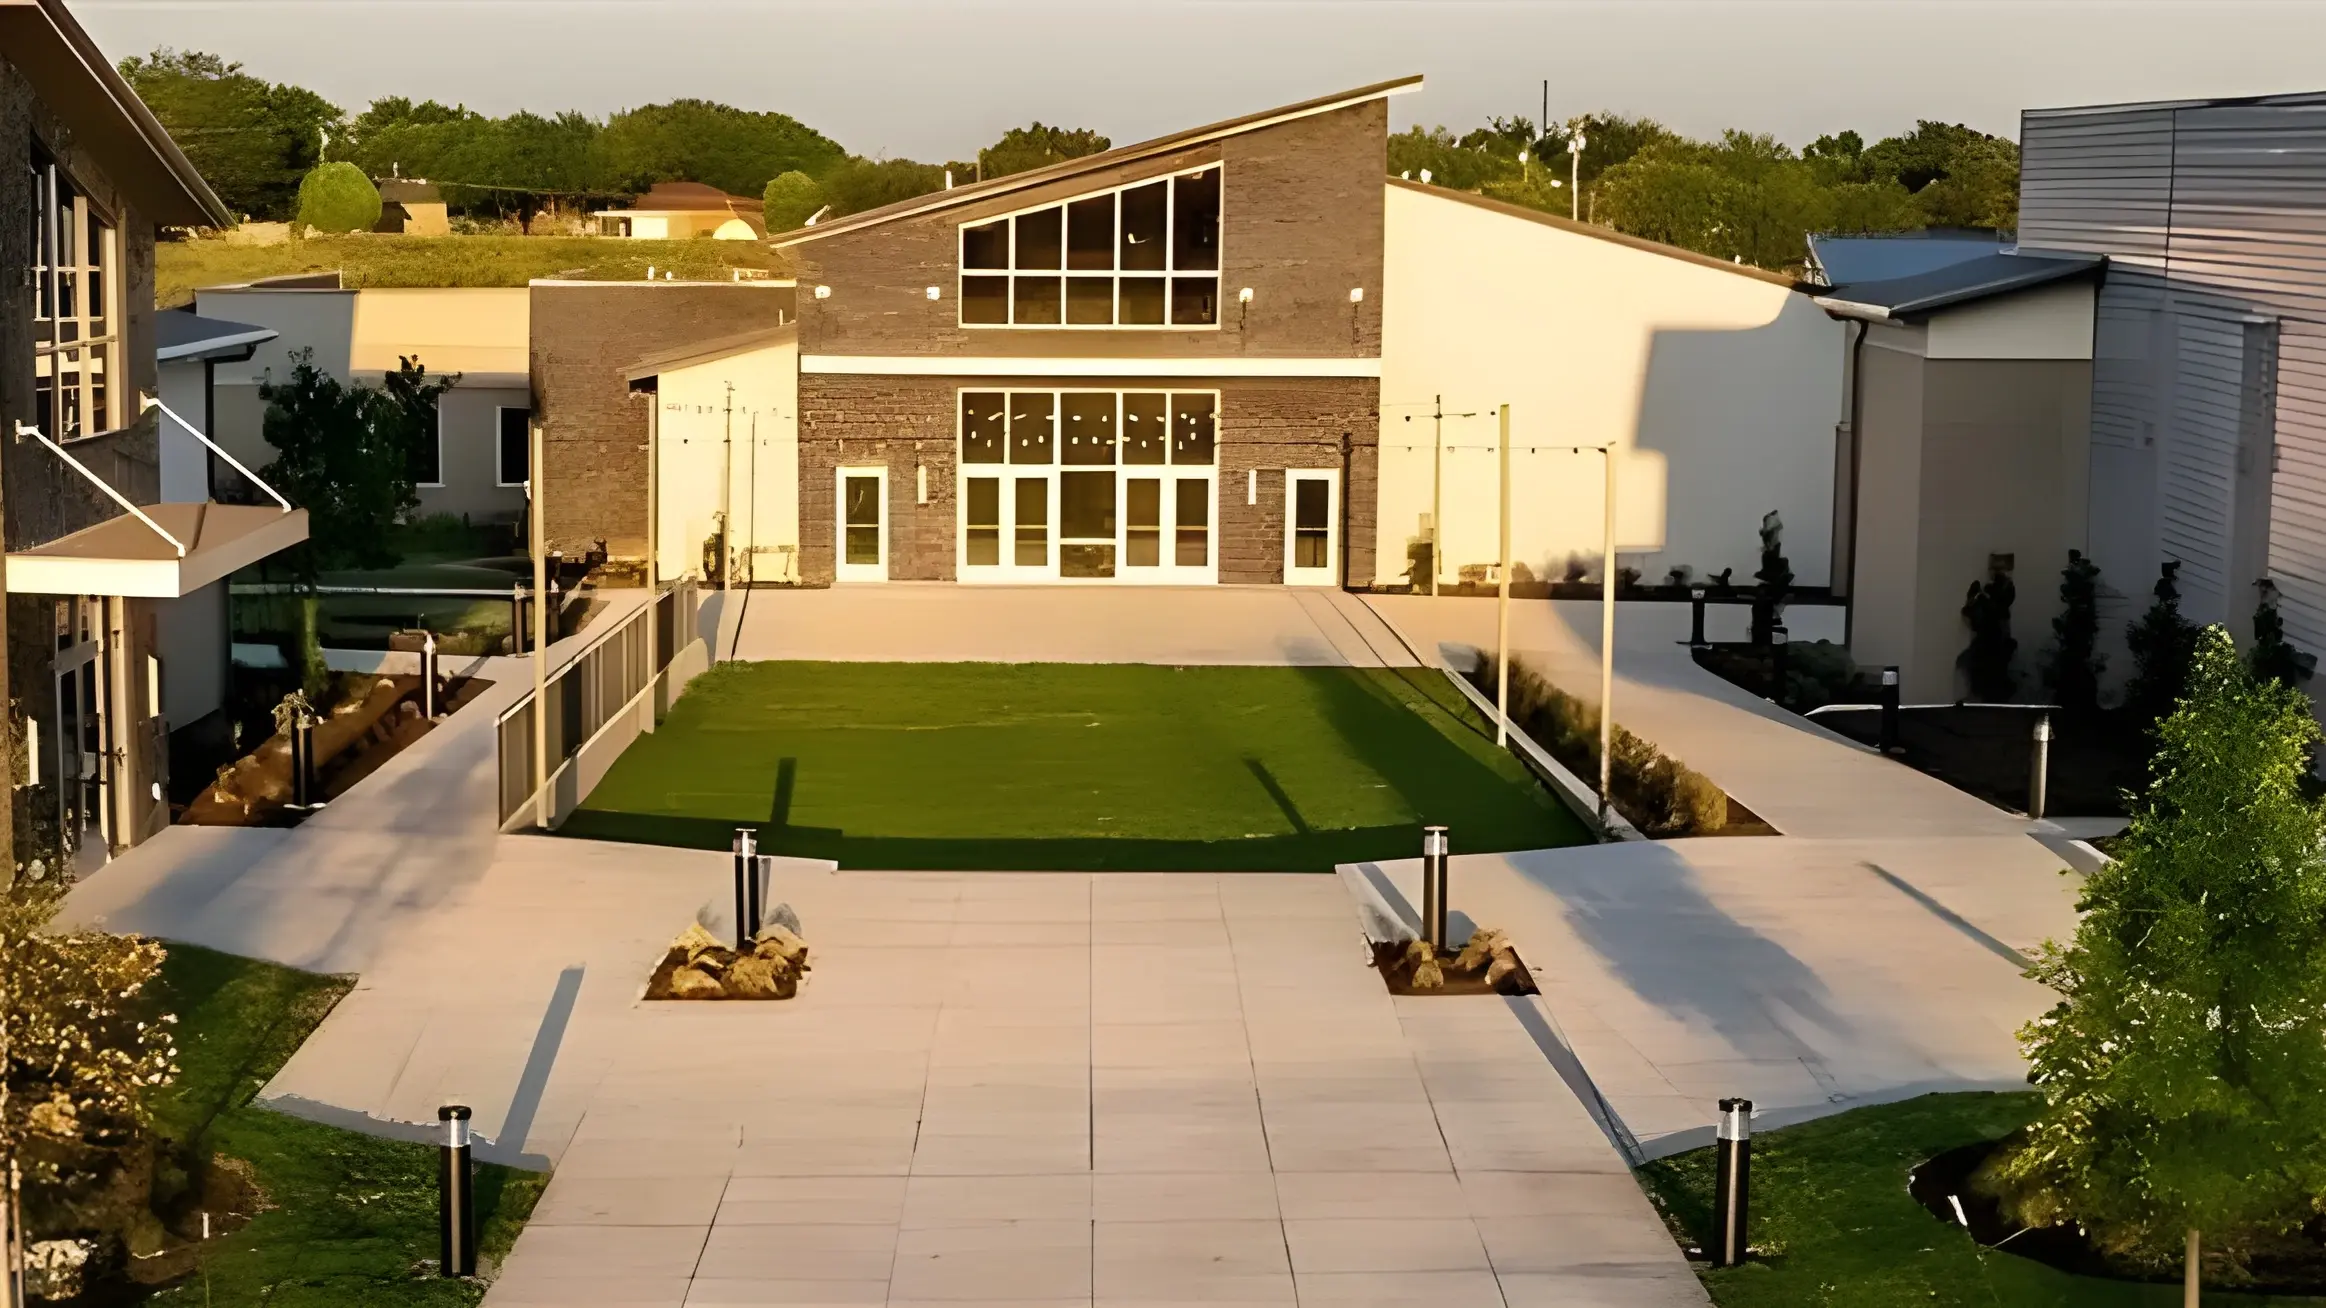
(1906, 298)
(181, 334)
(1840, 259)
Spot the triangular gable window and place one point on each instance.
(1143, 255)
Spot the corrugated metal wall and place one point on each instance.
(2210, 359)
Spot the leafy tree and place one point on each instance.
(1981, 188)
(2161, 643)
(736, 150)
(2072, 666)
(345, 454)
(2183, 1077)
(1451, 163)
(337, 197)
(1773, 582)
(251, 139)
(1022, 149)
(1986, 661)
(2273, 658)
(791, 199)
(862, 184)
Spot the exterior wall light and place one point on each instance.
(1244, 296)
(1356, 295)
(933, 293)
(823, 292)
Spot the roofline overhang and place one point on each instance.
(2072, 267)
(48, 570)
(74, 79)
(239, 345)
(938, 201)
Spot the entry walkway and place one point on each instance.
(1001, 1088)
(945, 623)
(1871, 952)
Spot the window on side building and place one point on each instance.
(516, 446)
(76, 318)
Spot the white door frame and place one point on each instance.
(1330, 573)
(842, 569)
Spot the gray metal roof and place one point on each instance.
(1983, 278)
(1839, 258)
(179, 334)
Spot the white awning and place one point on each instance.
(123, 556)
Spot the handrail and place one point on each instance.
(217, 449)
(1977, 704)
(645, 612)
(24, 429)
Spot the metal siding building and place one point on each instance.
(2209, 369)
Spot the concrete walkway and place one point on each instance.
(1022, 1089)
(1871, 952)
(903, 622)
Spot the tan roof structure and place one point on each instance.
(80, 85)
(693, 197)
(975, 191)
(125, 556)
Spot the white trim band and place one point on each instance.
(942, 365)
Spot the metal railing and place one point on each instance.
(591, 690)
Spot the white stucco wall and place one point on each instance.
(184, 385)
(738, 449)
(1719, 388)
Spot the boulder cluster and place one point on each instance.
(699, 966)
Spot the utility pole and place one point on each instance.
(1502, 604)
(653, 551)
(1607, 641)
(1437, 491)
(542, 617)
(727, 493)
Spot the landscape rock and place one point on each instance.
(1423, 962)
(691, 982)
(779, 942)
(783, 916)
(758, 976)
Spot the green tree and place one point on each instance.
(251, 139)
(1451, 163)
(345, 454)
(2183, 1078)
(2072, 666)
(1022, 149)
(337, 197)
(862, 184)
(791, 199)
(1986, 661)
(736, 150)
(2161, 643)
(2273, 657)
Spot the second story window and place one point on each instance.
(76, 344)
(1145, 255)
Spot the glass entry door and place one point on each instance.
(1312, 546)
(1102, 486)
(84, 738)
(861, 551)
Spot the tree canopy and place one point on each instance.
(337, 197)
(251, 139)
(1022, 149)
(347, 455)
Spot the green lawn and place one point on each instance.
(1040, 766)
(370, 259)
(1829, 1206)
(348, 1216)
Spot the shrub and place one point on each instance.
(2161, 643)
(792, 198)
(1655, 792)
(1774, 580)
(337, 197)
(2072, 668)
(2273, 658)
(2183, 1077)
(1986, 661)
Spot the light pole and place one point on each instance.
(1575, 174)
(1502, 602)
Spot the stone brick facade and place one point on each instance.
(584, 338)
(906, 424)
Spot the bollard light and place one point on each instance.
(1696, 638)
(428, 674)
(1889, 737)
(1732, 1181)
(302, 760)
(2039, 767)
(456, 1196)
(1433, 886)
(1779, 639)
(746, 888)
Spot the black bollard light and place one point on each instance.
(517, 643)
(1889, 737)
(2039, 767)
(456, 1196)
(746, 888)
(1696, 638)
(1779, 638)
(1433, 886)
(428, 674)
(1732, 1181)
(302, 759)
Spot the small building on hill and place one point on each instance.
(412, 206)
(677, 211)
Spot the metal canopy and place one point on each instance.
(126, 557)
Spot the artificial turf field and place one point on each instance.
(1072, 766)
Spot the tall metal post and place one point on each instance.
(2039, 767)
(1433, 886)
(746, 887)
(1889, 736)
(455, 1196)
(303, 759)
(1437, 491)
(1732, 1181)
(543, 810)
(428, 674)
(1607, 638)
(1502, 602)
(653, 558)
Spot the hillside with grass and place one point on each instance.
(369, 259)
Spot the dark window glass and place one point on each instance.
(516, 446)
(1193, 428)
(1193, 522)
(1142, 522)
(1035, 302)
(984, 428)
(1032, 499)
(1141, 301)
(1311, 523)
(1086, 560)
(1144, 227)
(1146, 430)
(981, 520)
(1086, 505)
(1195, 221)
(1194, 301)
(985, 299)
(1090, 300)
(1041, 239)
(863, 520)
(1032, 426)
(1090, 233)
(987, 246)
(1086, 433)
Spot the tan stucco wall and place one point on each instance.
(1719, 386)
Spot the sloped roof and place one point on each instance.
(80, 85)
(180, 334)
(1907, 299)
(662, 361)
(409, 190)
(1592, 230)
(975, 191)
(1843, 257)
(690, 197)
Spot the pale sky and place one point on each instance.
(934, 79)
